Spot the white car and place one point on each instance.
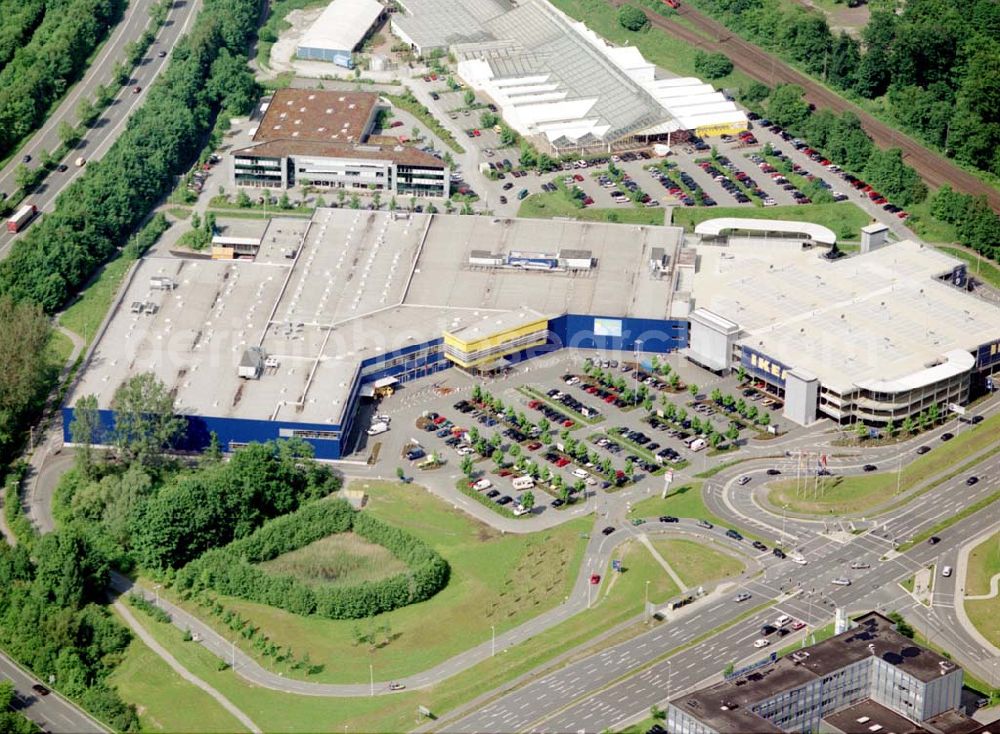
(782, 620)
(761, 643)
(745, 479)
(464, 450)
(842, 581)
(482, 484)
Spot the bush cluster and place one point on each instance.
(230, 570)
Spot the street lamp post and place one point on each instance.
(635, 372)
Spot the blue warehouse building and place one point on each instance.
(287, 340)
(339, 30)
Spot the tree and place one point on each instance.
(146, 424)
(564, 491)
(732, 433)
(908, 426)
(498, 458)
(861, 430)
(355, 201)
(632, 18)
(68, 135)
(467, 466)
(787, 107)
(85, 430)
(754, 93)
(886, 172)
(890, 428)
(716, 396)
(87, 112)
(415, 133)
(675, 381)
(528, 500)
(693, 389)
(712, 65)
(470, 98)
(715, 439)
(765, 419)
(629, 468)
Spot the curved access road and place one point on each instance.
(112, 121)
(707, 34)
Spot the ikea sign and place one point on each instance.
(762, 366)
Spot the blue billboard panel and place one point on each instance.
(988, 355)
(762, 366)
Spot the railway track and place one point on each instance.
(710, 35)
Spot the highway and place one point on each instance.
(618, 684)
(51, 712)
(112, 121)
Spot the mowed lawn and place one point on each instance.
(683, 501)
(555, 204)
(86, 313)
(844, 218)
(697, 563)
(618, 600)
(496, 580)
(984, 563)
(165, 701)
(343, 559)
(857, 493)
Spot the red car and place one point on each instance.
(568, 423)
(476, 133)
(609, 399)
(534, 445)
(505, 472)
(534, 404)
(561, 462)
(439, 420)
(577, 177)
(595, 578)
(797, 625)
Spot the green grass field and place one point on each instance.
(697, 563)
(683, 501)
(927, 226)
(165, 701)
(844, 218)
(499, 580)
(619, 599)
(85, 315)
(58, 349)
(853, 494)
(344, 559)
(984, 563)
(554, 204)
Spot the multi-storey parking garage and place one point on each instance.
(285, 339)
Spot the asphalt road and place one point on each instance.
(602, 691)
(112, 121)
(52, 712)
(704, 33)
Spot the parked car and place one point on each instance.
(608, 530)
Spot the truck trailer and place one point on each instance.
(21, 218)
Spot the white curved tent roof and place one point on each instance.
(816, 232)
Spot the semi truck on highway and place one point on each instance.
(21, 218)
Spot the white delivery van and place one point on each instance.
(581, 473)
(698, 444)
(523, 482)
(377, 428)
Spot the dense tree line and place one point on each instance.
(207, 72)
(54, 58)
(24, 335)
(50, 622)
(20, 18)
(159, 516)
(843, 140)
(230, 570)
(936, 64)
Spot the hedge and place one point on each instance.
(231, 571)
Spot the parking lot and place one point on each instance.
(561, 427)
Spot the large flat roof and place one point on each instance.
(726, 706)
(361, 284)
(881, 317)
(342, 25)
(317, 115)
(293, 146)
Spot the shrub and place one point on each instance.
(712, 66)
(631, 18)
(230, 570)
